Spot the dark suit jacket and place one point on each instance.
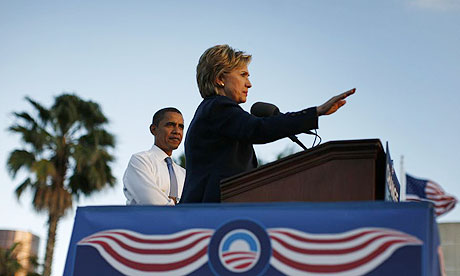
(219, 143)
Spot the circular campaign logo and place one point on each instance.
(239, 247)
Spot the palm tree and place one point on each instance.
(65, 155)
(9, 264)
(33, 265)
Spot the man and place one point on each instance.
(152, 177)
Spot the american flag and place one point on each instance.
(426, 190)
(294, 252)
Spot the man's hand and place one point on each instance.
(334, 103)
(174, 199)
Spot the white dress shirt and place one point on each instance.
(146, 180)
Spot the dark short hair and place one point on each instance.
(160, 114)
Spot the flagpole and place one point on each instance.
(402, 180)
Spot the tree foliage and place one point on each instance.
(9, 264)
(66, 154)
(180, 160)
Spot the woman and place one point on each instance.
(220, 138)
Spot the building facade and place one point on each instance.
(27, 248)
(450, 244)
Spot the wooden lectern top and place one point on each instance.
(348, 170)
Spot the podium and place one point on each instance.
(279, 238)
(350, 170)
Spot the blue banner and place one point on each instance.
(354, 238)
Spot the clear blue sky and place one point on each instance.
(134, 57)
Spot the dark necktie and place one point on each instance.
(172, 178)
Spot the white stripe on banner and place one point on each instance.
(351, 253)
(294, 252)
(133, 253)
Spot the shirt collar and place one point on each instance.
(160, 154)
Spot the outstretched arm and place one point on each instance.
(334, 103)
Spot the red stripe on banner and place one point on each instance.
(244, 265)
(152, 251)
(159, 241)
(333, 251)
(335, 268)
(239, 252)
(151, 267)
(229, 261)
(336, 240)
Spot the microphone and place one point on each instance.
(261, 109)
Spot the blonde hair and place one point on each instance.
(214, 62)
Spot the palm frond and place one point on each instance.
(19, 159)
(91, 114)
(97, 138)
(36, 136)
(26, 117)
(81, 155)
(79, 183)
(65, 110)
(93, 173)
(44, 170)
(22, 187)
(43, 113)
